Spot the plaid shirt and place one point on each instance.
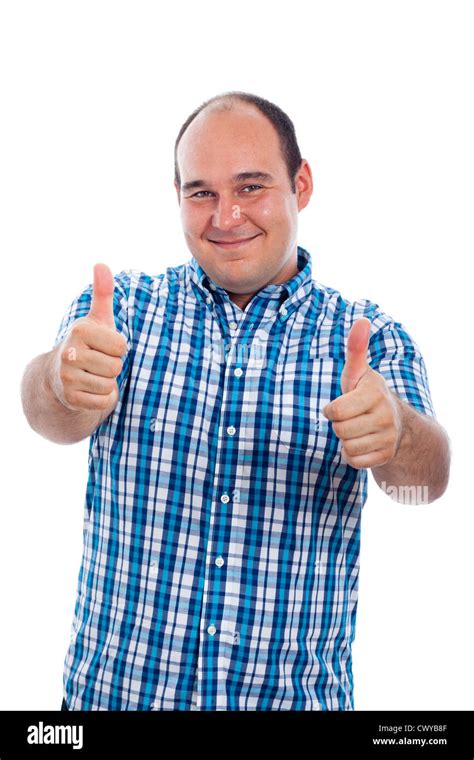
(221, 525)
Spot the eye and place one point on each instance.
(199, 193)
(202, 193)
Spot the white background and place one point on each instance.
(92, 97)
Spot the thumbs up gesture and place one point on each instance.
(89, 358)
(365, 417)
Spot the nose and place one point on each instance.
(227, 214)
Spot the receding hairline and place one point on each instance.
(227, 103)
(279, 120)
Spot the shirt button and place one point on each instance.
(219, 562)
(212, 286)
(212, 629)
(283, 311)
(238, 372)
(233, 325)
(225, 498)
(231, 430)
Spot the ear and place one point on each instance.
(304, 184)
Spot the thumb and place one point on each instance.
(102, 310)
(356, 363)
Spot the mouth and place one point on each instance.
(234, 243)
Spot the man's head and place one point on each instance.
(240, 134)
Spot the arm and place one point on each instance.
(420, 467)
(68, 392)
(405, 449)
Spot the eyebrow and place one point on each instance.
(242, 177)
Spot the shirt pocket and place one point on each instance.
(303, 388)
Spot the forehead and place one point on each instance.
(221, 143)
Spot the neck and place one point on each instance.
(289, 270)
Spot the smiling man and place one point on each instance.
(234, 404)
(239, 211)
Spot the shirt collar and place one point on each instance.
(293, 291)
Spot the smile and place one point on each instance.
(234, 243)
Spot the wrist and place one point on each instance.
(405, 437)
(50, 378)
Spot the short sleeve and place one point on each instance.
(80, 307)
(396, 356)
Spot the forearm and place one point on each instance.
(422, 460)
(46, 415)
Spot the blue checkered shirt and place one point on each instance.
(221, 525)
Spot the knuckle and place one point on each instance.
(108, 400)
(97, 403)
(383, 457)
(120, 344)
(100, 403)
(103, 402)
(392, 442)
(71, 397)
(109, 385)
(117, 365)
(64, 375)
(66, 354)
(351, 448)
(78, 329)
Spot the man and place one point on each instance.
(234, 406)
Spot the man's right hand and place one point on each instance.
(89, 358)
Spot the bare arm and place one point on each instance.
(422, 460)
(44, 411)
(405, 449)
(67, 392)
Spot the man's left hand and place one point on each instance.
(366, 417)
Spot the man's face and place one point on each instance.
(241, 230)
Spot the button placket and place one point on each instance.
(230, 481)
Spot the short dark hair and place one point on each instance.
(282, 123)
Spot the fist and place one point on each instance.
(90, 357)
(366, 417)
